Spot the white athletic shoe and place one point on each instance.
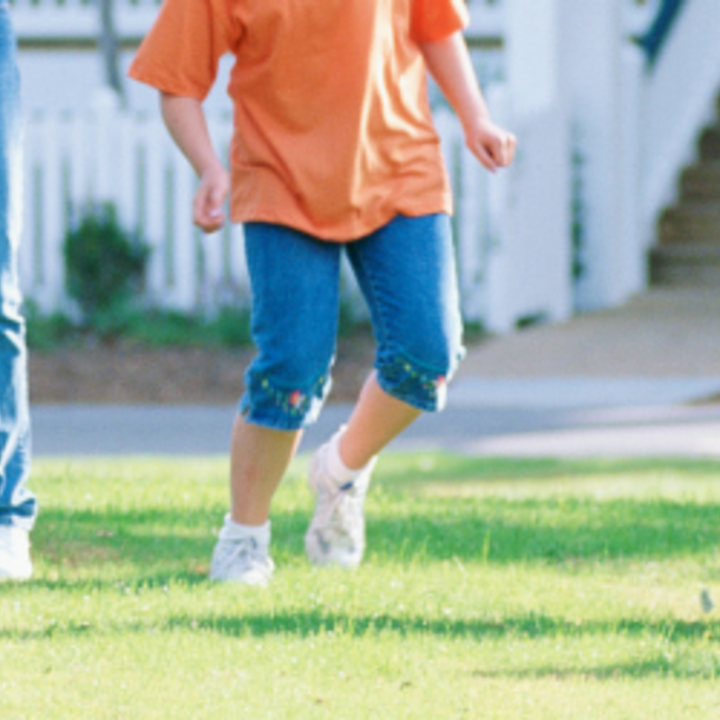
(241, 561)
(336, 535)
(15, 561)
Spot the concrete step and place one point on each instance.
(688, 251)
(692, 265)
(709, 143)
(690, 222)
(701, 182)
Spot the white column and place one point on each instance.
(534, 51)
(603, 77)
(530, 273)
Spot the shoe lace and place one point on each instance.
(339, 510)
(244, 549)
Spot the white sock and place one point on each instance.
(337, 469)
(236, 531)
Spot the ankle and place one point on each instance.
(338, 468)
(232, 530)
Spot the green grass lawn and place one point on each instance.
(491, 589)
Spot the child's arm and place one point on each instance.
(186, 122)
(449, 63)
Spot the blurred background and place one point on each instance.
(616, 187)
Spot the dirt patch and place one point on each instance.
(128, 374)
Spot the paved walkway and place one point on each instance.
(660, 431)
(641, 380)
(662, 334)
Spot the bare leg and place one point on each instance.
(375, 421)
(259, 458)
(336, 535)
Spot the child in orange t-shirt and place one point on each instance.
(334, 151)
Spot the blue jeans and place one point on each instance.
(17, 504)
(406, 271)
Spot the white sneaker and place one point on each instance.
(336, 535)
(14, 553)
(241, 561)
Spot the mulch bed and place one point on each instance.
(128, 374)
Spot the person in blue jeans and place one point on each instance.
(334, 152)
(18, 506)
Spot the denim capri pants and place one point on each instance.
(406, 271)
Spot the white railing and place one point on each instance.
(55, 19)
(635, 129)
(486, 18)
(79, 19)
(510, 249)
(104, 155)
(638, 14)
(107, 156)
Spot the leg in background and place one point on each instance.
(340, 476)
(406, 271)
(17, 505)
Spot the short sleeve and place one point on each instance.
(180, 54)
(436, 19)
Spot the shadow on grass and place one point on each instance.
(530, 626)
(308, 623)
(659, 666)
(162, 543)
(316, 623)
(436, 468)
(533, 530)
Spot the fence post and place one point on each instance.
(154, 142)
(105, 106)
(51, 226)
(185, 292)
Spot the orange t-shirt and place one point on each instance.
(333, 133)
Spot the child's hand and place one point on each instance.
(490, 144)
(209, 199)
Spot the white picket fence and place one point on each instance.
(80, 18)
(102, 156)
(512, 230)
(105, 155)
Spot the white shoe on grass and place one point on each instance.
(241, 560)
(15, 561)
(336, 535)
